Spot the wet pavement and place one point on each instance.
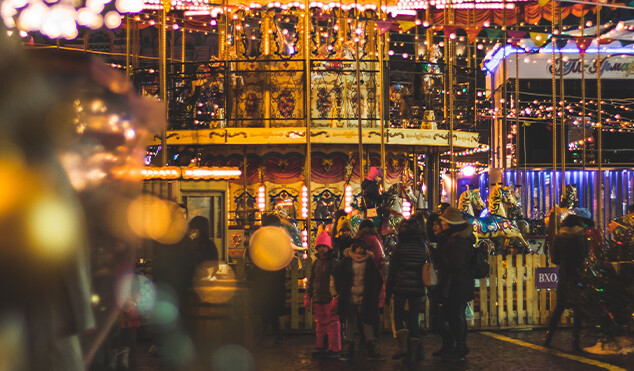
(487, 353)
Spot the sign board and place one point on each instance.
(546, 277)
(539, 66)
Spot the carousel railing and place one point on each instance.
(507, 298)
(265, 93)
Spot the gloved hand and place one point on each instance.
(307, 302)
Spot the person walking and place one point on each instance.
(320, 291)
(404, 281)
(269, 290)
(456, 281)
(358, 282)
(569, 250)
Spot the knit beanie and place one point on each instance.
(324, 239)
(374, 172)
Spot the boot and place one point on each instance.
(462, 350)
(548, 338)
(348, 351)
(401, 342)
(412, 346)
(372, 349)
(447, 347)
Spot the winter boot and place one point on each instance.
(348, 351)
(412, 347)
(372, 351)
(461, 351)
(401, 342)
(447, 348)
(548, 338)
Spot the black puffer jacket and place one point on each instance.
(405, 271)
(455, 252)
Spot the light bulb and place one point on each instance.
(112, 19)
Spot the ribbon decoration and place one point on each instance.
(472, 33)
(516, 37)
(449, 30)
(494, 34)
(539, 38)
(542, 3)
(561, 42)
(583, 42)
(383, 26)
(406, 25)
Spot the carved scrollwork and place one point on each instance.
(319, 133)
(295, 133)
(241, 133)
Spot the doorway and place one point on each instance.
(211, 205)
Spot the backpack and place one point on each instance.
(480, 261)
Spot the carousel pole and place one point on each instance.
(183, 46)
(307, 115)
(562, 120)
(244, 183)
(583, 97)
(600, 194)
(128, 70)
(358, 77)
(450, 45)
(163, 76)
(554, 111)
(381, 50)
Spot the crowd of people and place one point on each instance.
(352, 279)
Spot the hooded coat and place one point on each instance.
(344, 276)
(455, 252)
(318, 286)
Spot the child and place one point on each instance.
(358, 283)
(321, 290)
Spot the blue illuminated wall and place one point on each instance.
(540, 187)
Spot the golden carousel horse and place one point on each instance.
(558, 213)
(496, 224)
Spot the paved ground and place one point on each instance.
(489, 351)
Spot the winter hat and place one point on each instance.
(374, 172)
(344, 223)
(324, 239)
(452, 216)
(582, 212)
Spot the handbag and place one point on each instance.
(429, 273)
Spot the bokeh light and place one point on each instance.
(217, 287)
(53, 225)
(232, 357)
(270, 248)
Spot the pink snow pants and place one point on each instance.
(327, 324)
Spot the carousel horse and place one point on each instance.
(558, 213)
(496, 224)
(392, 212)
